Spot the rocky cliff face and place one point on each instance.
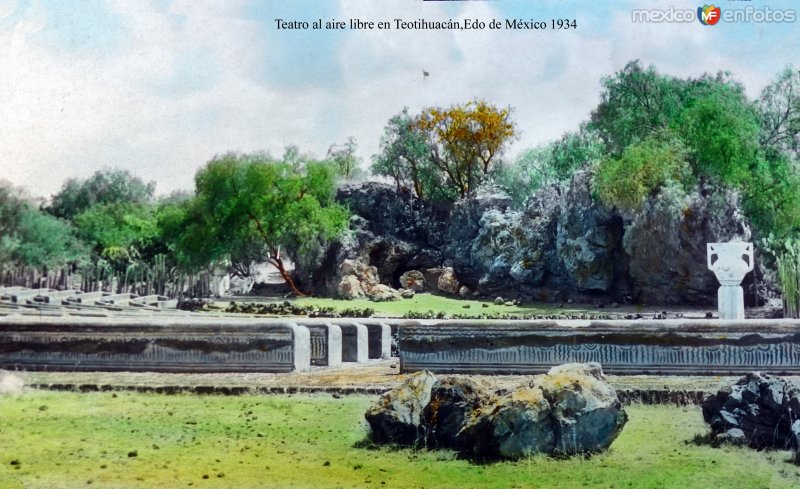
(563, 245)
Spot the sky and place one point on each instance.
(159, 87)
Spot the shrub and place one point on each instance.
(641, 171)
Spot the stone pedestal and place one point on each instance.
(730, 262)
(730, 300)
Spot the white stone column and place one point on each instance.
(730, 262)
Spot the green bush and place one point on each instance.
(642, 170)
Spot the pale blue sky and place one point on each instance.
(161, 86)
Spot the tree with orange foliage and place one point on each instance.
(455, 148)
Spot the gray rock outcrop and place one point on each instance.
(563, 245)
(666, 244)
(759, 411)
(570, 410)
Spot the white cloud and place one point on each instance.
(64, 115)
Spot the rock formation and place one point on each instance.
(570, 410)
(563, 245)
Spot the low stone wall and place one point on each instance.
(684, 347)
(221, 345)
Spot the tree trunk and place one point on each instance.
(278, 263)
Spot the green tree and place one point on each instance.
(721, 128)
(547, 164)
(345, 159)
(12, 206)
(30, 238)
(104, 187)
(45, 241)
(246, 199)
(119, 232)
(403, 155)
(779, 111)
(635, 103)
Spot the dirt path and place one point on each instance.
(373, 377)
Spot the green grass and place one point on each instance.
(435, 303)
(69, 440)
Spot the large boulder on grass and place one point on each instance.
(760, 411)
(570, 410)
(397, 416)
(587, 413)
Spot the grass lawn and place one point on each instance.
(436, 303)
(67, 440)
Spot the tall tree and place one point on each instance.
(345, 159)
(779, 109)
(403, 154)
(243, 199)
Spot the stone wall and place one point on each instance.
(692, 347)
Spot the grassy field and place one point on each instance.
(126, 440)
(436, 303)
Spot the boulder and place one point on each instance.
(570, 410)
(587, 413)
(464, 291)
(448, 283)
(453, 401)
(361, 281)
(383, 293)
(760, 411)
(432, 277)
(413, 280)
(397, 416)
(350, 288)
(512, 426)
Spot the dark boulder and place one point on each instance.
(453, 401)
(515, 425)
(760, 411)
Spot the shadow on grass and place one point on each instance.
(448, 453)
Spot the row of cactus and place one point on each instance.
(156, 277)
(789, 273)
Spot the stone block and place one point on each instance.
(355, 342)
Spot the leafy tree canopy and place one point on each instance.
(118, 232)
(108, 186)
(248, 204)
(641, 171)
(444, 153)
(548, 164)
